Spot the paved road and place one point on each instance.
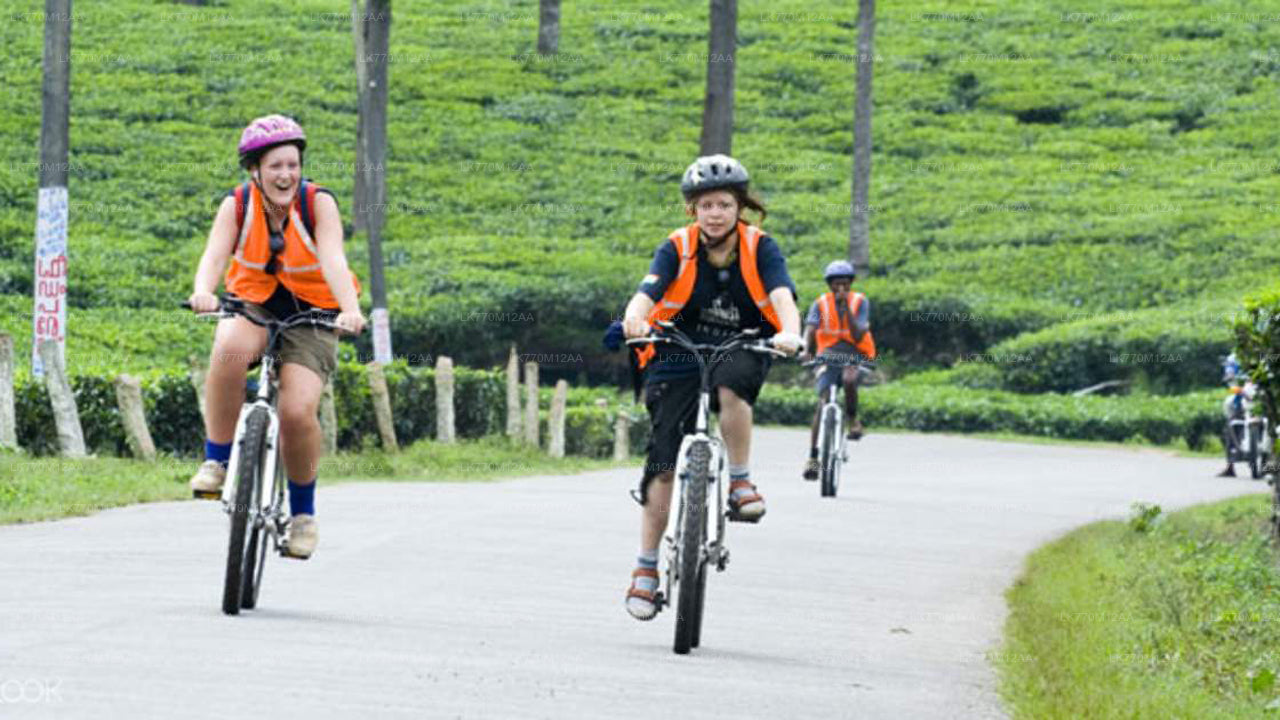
(503, 600)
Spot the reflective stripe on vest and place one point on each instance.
(678, 292)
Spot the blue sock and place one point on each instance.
(739, 473)
(302, 498)
(647, 559)
(217, 451)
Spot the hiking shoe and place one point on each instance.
(206, 484)
(303, 536)
(811, 469)
(746, 504)
(642, 604)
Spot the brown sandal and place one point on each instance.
(735, 507)
(648, 596)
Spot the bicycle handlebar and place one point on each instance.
(841, 361)
(672, 335)
(232, 307)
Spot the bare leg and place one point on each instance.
(657, 509)
(300, 436)
(236, 343)
(735, 425)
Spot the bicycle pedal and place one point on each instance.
(737, 517)
(284, 552)
(206, 494)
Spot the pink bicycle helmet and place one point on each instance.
(265, 133)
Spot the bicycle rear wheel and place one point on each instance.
(830, 446)
(693, 534)
(248, 473)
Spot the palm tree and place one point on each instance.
(549, 27)
(717, 110)
(859, 223)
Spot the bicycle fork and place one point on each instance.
(258, 513)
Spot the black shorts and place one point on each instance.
(673, 404)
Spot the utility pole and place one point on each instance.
(50, 286)
(373, 144)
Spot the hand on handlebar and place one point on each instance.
(789, 343)
(203, 302)
(634, 327)
(350, 322)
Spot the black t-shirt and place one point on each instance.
(720, 305)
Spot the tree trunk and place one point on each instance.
(549, 27)
(717, 110)
(859, 219)
(359, 194)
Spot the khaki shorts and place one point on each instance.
(312, 347)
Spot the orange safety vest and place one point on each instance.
(681, 288)
(832, 330)
(297, 267)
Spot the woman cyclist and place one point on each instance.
(279, 269)
(713, 279)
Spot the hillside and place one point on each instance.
(1091, 176)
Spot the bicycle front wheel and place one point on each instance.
(830, 447)
(252, 444)
(693, 534)
(256, 555)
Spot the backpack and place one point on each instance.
(306, 198)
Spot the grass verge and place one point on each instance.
(33, 489)
(1173, 616)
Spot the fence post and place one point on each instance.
(531, 403)
(382, 406)
(513, 394)
(444, 400)
(622, 437)
(555, 446)
(8, 415)
(132, 416)
(329, 419)
(63, 400)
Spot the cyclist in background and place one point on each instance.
(838, 325)
(280, 267)
(713, 279)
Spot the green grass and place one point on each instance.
(1030, 167)
(1160, 617)
(33, 489)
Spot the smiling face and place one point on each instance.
(279, 171)
(716, 212)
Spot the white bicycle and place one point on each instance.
(833, 446)
(701, 463)
(254, 492)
